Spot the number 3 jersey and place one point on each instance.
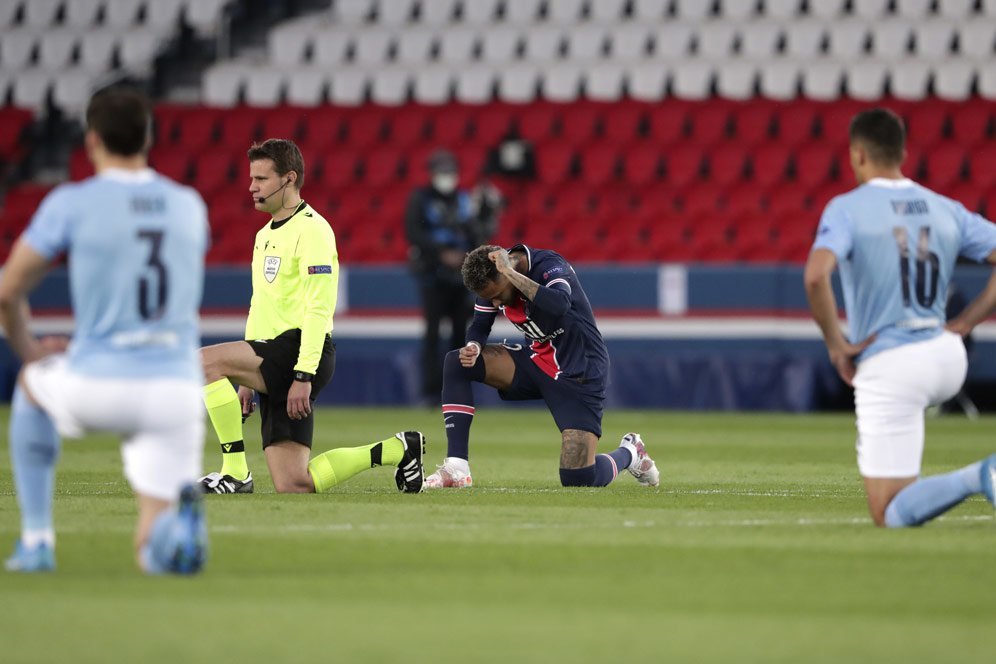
(896, 244)
(559, 325)
(135, 243)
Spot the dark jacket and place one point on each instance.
(435, 221)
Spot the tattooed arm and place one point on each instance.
(555, 300)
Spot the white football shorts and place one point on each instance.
(160, 421)
(891, 391)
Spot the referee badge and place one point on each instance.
(271, 265)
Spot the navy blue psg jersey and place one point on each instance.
(561, 330)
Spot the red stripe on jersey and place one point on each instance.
(545, 357)
(457, 408)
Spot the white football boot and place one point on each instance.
(642, 467)
(453, 474)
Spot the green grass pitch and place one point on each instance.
(755, 548)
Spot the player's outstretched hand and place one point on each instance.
(299, 400)
(843, 356)
(469, 355)
(501, 260)
(248, 402)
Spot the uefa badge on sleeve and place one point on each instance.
(271, 265)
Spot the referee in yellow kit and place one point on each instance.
(288, 355)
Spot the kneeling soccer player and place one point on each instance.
(288, 355)
(565, 365)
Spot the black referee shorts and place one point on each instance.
(279, 357)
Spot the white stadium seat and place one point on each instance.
(288, 42)
(121, 13)
(562, 81)
(586, 42)
(847, 39)
(738, 10)
(6, 80)
(692, 79)
(56, 47)
(352, 12)
(987, 83)
(760, 39)
(223, 82)
(81, 13)
(781, 9)
(736, 78)
(564, 12)
(692, 10)
(606, 11)
(71, 90)
(976, 39)
(915, 9)
(933, 39)
(959, 9)
(989, 8)
(475, 84)
(650, 10)
(804, 39)
(139, 48)
(890, 39)
(414, 45)
(8, 12)
(395, 12)
(437, 13)
(647, 80)
(629, 41)
(715, 39)
(517, 84)
(330, 48)
(372, 46)
(97, 49)
(163, 14)
(31, 88)
(522, 11)
(432, 84)
(348, 86)
(866, 79)
(543, 43)
(457, 45)
(500, 44)
(953, 79)
(822, 79)
(204, 16)
(475, 12)
(779, 79)
(909, 79)
(306, 85)
(673, 40)
(264, 87)
(605, 81)
(826, 9)
(17, 48)
(40, 13)
(390, 86)
(871, 9)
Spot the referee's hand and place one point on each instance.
(299, 400)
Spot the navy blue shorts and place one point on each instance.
(573, 405)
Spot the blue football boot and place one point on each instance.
(36, 559)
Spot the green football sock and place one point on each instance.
(336, 466)
(225, 411)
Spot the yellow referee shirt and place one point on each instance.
(295, 282)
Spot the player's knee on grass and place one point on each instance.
(294, 484)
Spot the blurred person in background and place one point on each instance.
(442, 223)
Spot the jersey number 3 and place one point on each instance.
(152, 301)
(926, 267)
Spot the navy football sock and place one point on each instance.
(608, 466)
(578, 476)
(458, 402)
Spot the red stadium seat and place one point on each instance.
(554, 161)
(971, 123)
(576, 199)
(214, 170)
(816, 163)
(989, 204)
(240, 128)
(197, 129)
(642, 164)
(796, 122)
(382, 167)
(753, 122)
(945, 165)
(365, 127)
(745, 199)
(982, 167)
(579, 122)
(727, 163)
(341, 167)
(622, 121)
(968, 194)
(769, 163)
(668, 121)
(14, 121)
(79, 165)
(710, 123)
(669, 239)
(835, 120)
(599, 164)
(701, 198)
(787, 199)
(408, 125)
(756, 238)
(322, 126)
(174, 164)
(537, 122)
(927, 123)
(684, 165)
(451, 124)
(491, 124)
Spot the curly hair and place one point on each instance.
(478, 270)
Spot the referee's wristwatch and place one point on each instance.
(303, 376)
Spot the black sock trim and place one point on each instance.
(232, 448)
(376, 454)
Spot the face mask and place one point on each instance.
(444, 183)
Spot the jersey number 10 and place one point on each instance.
(926, 267)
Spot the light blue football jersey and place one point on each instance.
(135, 243)
(896, 244)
